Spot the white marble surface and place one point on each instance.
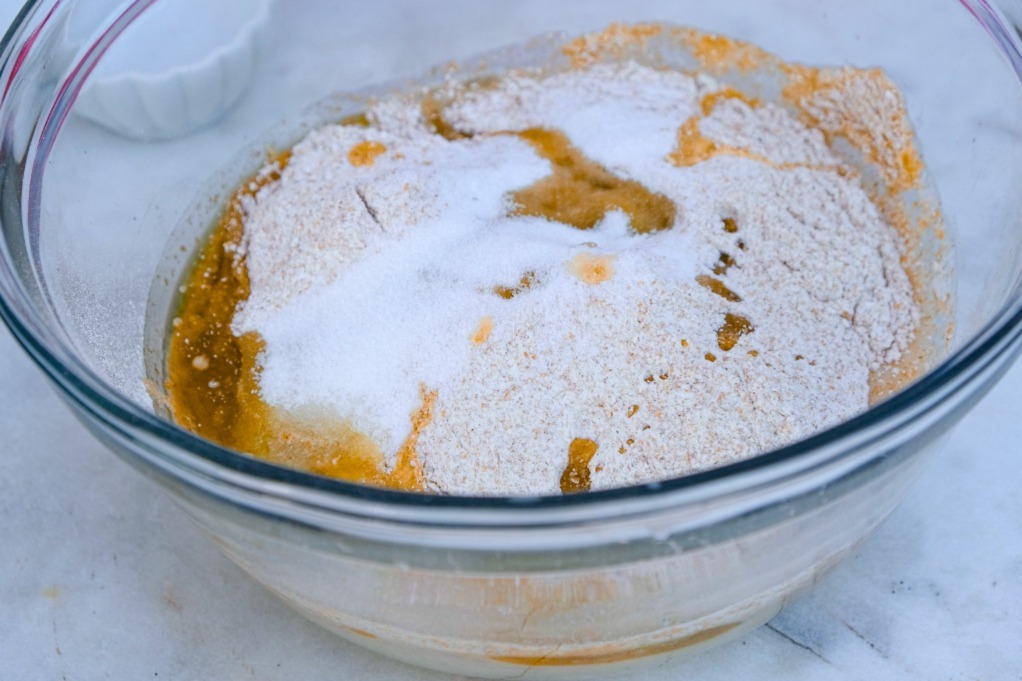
(102, 577)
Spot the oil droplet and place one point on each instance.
(358, 120)
(365, 153)
(524, 284)
(711, 100)
(592, 269)
(693, 147)
(482, 334)
(433, 115)
(716, 286)
(735, 326)
(580, 192)
(724, 263)
(576, 476)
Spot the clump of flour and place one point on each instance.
(371, 281)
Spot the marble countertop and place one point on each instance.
(101, 576)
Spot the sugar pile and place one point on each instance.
(755, 320)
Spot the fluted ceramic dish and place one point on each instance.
(182, 66)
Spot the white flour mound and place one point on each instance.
(372, 282)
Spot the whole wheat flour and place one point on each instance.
(732, 293)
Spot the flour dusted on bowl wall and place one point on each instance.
(591, 275)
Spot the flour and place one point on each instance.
(754, 321)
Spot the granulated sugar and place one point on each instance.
(389, 261)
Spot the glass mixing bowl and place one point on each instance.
(556, 587)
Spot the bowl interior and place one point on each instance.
(107, 214)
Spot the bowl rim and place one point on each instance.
(1000, 335)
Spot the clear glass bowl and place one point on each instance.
(558, 587)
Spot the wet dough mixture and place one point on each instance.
(556, 281)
